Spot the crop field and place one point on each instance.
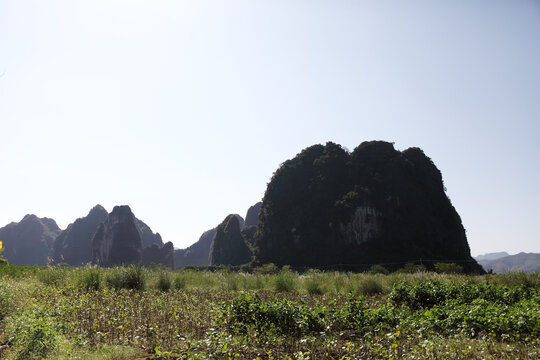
(139, 313)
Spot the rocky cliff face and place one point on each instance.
(74, 245)
(363, 226)
(159, 255)
(252, 216)
(29, 241)
(147, 236)
(228, 245)
(117, 241)
(376, 205)
(197, 254)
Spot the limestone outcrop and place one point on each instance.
(74, 245)
(159, 255)
(252, 216)
(228, 245)
(117, 241)
(329, 208)
(29, 241)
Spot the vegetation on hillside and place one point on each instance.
(332, 209)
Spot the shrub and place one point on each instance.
(370, 286)
(231, 282)
(179, 282)
(448, 268)
(411, 268)
(378, 269)
(33, 334)
(420, 295)
(90, 279)
(269, 268)
(313, 287)
(284, 282)
(51, 276)
(247, 314)
(164, 282)
(131, 277)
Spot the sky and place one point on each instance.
(184, 109)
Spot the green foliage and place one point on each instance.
(33, 333)
(427, 294)
(131, 277)
(424, 316)
(313, 287)
(6, 301)
(179, 282)
(378, 269)
(521, 319)
(371, 286)
(164, 282)
(411, 268)
(284, 282)
(247, 314)
(90, 279)
(269, 268)
(52, 276)
(448, 268)
(356, 315)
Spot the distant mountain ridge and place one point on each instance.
(29, 241)
(39, 241)
(491, 256)
(73, 246)
(522, 262)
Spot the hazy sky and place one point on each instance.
(184, 109)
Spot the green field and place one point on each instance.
(137, 313)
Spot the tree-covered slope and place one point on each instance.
(330, 208)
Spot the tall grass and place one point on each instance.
(90, 279)
(131, 277)
(284, 282)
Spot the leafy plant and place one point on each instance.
(248, 314)
(33, 333)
